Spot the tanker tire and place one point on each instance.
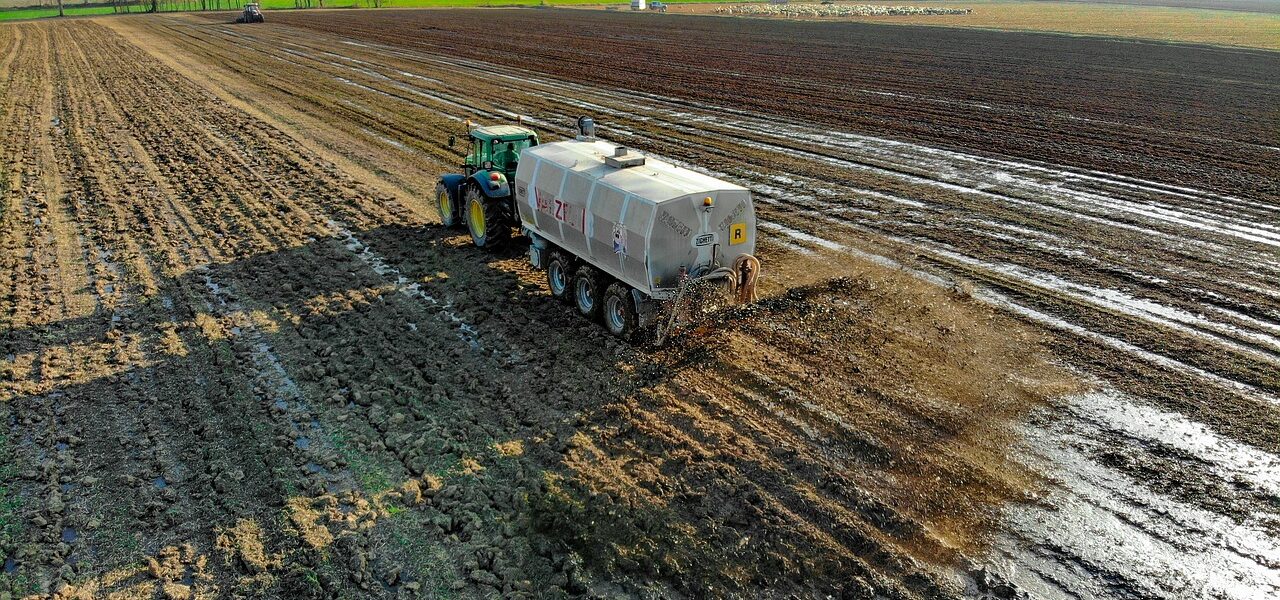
(446, 207)
(586, 292)
(619, 311)
(560, 276)
(483, 220)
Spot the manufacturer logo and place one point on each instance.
(675, 224)
(705, 239)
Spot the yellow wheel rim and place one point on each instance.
(477, 219)
(445, 210)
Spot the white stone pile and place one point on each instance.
(835, 10)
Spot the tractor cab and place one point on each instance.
(497, 148)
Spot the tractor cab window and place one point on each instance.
(507, 154)
(479, 153)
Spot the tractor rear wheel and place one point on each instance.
(560, 276)
(484, 220)
(445, 206)
(587, 295)
(619, 310)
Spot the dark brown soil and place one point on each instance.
(232, 369)
(1174, 113)
(239, 358)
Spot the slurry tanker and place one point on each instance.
(619, 233)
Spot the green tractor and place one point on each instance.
(481, 196)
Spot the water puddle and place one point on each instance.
(1231, 460)
(160, 482)
(69, 535)
(1098, 532)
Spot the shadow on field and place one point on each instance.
(396, 412)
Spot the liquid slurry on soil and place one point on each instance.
(1011, 342)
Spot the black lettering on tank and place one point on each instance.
(675, 224)
(737, 210)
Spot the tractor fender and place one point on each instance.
(481, 180)
(453, 183)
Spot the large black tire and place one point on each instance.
(619, 311)
(560, 276)
(446, 207)
(588, 294)
(484, 220)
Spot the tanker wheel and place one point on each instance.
(444, 206)
(587, 292)
(484, 220)
(620, 316)
(560, 276)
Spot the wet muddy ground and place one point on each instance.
(240, 359)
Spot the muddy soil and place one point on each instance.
(241, 360)
(1132, 108)
(235, 370)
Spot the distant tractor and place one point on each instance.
(481, 196)
(620, 234)
(252, 14)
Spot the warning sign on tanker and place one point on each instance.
(737, 233)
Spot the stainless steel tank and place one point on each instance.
(636, 217)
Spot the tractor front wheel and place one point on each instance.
(445, 206)
(484, 220)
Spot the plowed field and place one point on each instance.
(1020, 330)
